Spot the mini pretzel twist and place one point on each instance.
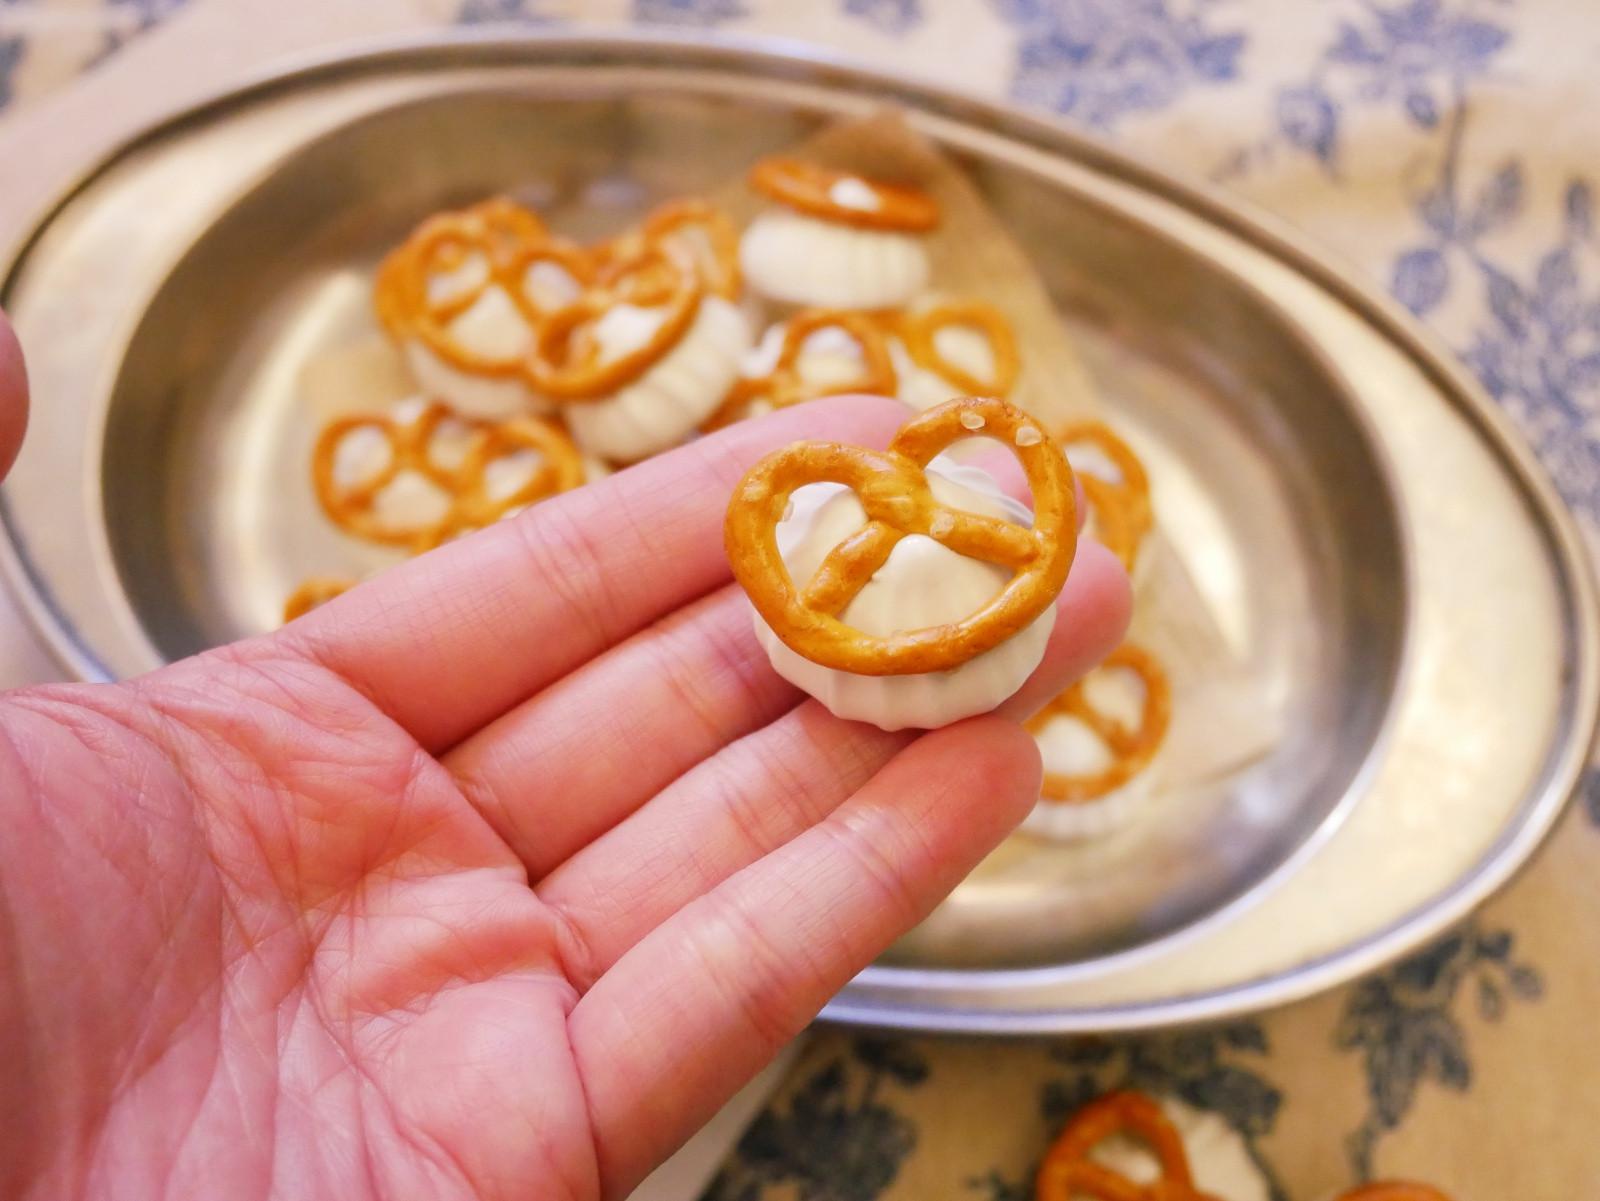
(813, 189)
(919, 329)
(893, 489)
(565, 362)
(1121, 507)
(352, 506)
(786, 385)
(716, 259)
(1068, 1172)
(499, 231)
(317, 590)
(1394, 1190)
(1131, 747)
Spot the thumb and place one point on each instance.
(13, 396)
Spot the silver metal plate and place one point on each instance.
(1371, 542)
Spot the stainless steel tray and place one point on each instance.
(1373, 542)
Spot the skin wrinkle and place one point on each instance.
(19, 1035)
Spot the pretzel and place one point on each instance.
(809, 188)
(1068, 1173)
(317, 590)
(1122, 513)
(499, 230)
(919, 329)
(352, 506)
(894, 491)
(719, 268)
(784, 385)
(565, 361)
(1131, 748)
(1394, 1190)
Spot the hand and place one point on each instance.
(492, 878)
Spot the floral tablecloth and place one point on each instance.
(1449, 148)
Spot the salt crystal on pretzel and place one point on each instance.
(836, 240)
(902, 590)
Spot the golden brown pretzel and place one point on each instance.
(565, 362)
(1394, 1190)
(894, 491)
(1121, 507)
(498, 230)
(919, 328)
(1131, 748)
(718, 260)
(1068, 1172)
(808, 187)
(784, 385)
(317, 590)
(352, 506)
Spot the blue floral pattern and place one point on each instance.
(1099, 60)
(482, 12)
(133, 17)
(840, 1138)
(1406, 1026)
(694, 14)
(1199, 1068)
(890, 16)
(11, 52)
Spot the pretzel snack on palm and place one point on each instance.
(893, 489)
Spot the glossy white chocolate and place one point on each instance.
(803, 260)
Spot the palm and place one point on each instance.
(492, 879)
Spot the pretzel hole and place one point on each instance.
(998, 461)
(1089, 459)
(458, 273)
(1128, 1155)
(361, 457)
(549, 286)
(491, 326)
(451, 442)
(410, 501)
(621, 330)
(506, 475)
(966, 347)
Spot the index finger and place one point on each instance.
(448, 642)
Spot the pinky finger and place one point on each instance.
(696, 1008)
